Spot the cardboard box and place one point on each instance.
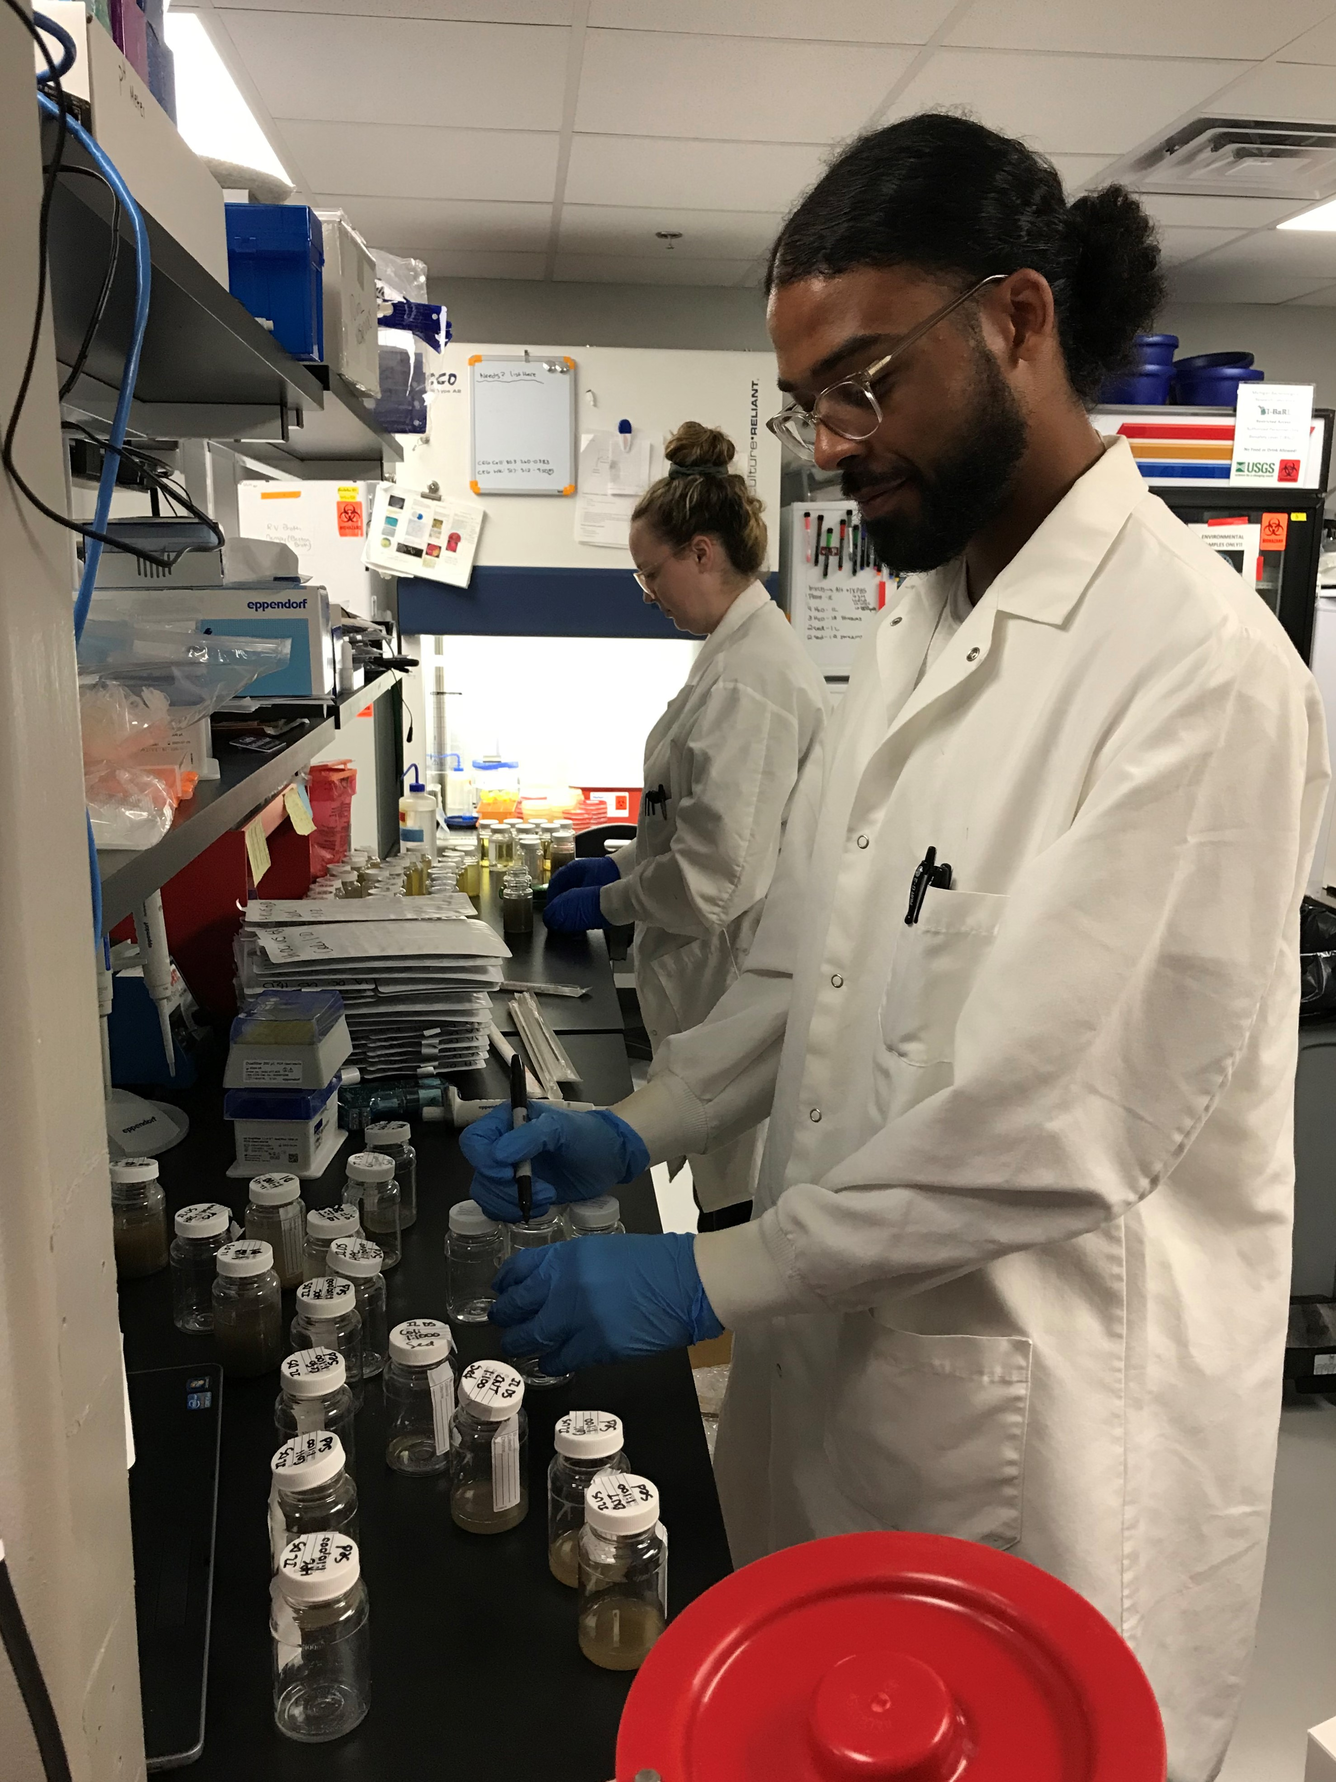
(351, 341)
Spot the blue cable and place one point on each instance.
(49, 28)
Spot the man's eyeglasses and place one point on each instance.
(850, 407)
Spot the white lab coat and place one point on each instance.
(728, 752)
(1019, 1263)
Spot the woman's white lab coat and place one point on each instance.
(721, 766)
(1019, 1265)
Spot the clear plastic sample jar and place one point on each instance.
(587, 1443)
(359, 1260)
(313, 1395)
(394, 1139)
(562, 850)
(517, 901)
(327, 1318)
(275, 1216)
(544, 1228)
(138, 1218)
(321, 1628)
(310, 1490)
(623, 1571)
(371, 1180)
(323, 1225)
(489, 1450)
(247, 1309)
(420, 1381)
(601, 1217)
(201, 1232)
(475, 1248)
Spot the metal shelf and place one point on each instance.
(247, 783)
(208, 369)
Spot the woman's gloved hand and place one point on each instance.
(598, 871)
(602, 1299)
(574, 911)
(575, 1157)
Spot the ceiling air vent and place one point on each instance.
(1241, 157)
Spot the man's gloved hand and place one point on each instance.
(575, 1157)
(602, 1299)
(574, 911)
(598, 871)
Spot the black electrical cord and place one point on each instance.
(160, 477)
(32, 1684)
(108, 279)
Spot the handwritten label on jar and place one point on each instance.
(441, 1380)
(506, 1465)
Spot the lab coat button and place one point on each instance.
(863, 841)
(814, 1114)
(837, 981)
(896, 619)
(973, 655)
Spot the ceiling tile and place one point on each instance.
(1081, 170)
(373, 70)
(497, 12)
(833, 21)
(1178, 245)
(1298, 253)
(1317, 45)
(660, 84)
(617, 269)
(1204, 283)
(641, 171)
(1065, 104)
(446, 264)
(418, 161)
(1282, 90)
(424, 226)
(706, 234)
(1323, 299)
(1241, 28)
(1200, 212)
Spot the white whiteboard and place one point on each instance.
(523, 425)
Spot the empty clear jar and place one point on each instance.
(138, 1218)
(323, 1225)
(544, 1228)
(475, 1248)
(359, 1260)
(489, 1450)
(313, 1395)
(420, 1388)
(601, 1217)
(517, 901)
(587, 1443)
(201, 1232)
(371, 1180)
(321, 1627)
(275, 1216)
(623, 1571)
(327, 1318)
(394, 1139)
(247, 1309)
(311, 1489)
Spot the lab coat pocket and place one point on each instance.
(928, 1432)
(936, 962)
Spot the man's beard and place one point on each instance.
(965, 489)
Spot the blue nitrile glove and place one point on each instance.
(602, 1299)
(574, 911)
(575, 1156)
(600, 870)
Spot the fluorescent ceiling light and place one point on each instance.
(1324, 217)
(211, 113)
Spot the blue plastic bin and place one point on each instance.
(1211, 361)
(275, 253)
(1156, 349)
(1214, 386)
(1149, 385)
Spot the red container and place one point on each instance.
(330, 786)
(891, 1658)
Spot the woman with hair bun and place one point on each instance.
(721, 765)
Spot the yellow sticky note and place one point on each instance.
(299, 811)
(257, 850)
(349, 492)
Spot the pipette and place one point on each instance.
(156, 961)
(519, 1114)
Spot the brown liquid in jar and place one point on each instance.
(141, 1248)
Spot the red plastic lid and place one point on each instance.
(891, 1658)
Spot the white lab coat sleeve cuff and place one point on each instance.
(668, 1117)
(748, 1272)
(616, 901)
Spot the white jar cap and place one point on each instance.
(333, 1222)
(328, 1296)
(274, 1191)
(356, 1257)
(205, 1219)
(492, 1390)
(247, 1256)
(135, 1169)
(315, 1568)
(586, 1215)
(308, 1460)
(387, 1132)
(421, 1342)
(311, 1373)
(588, 1435)
(469, 1220)
(621, 1504)
(370, 1166)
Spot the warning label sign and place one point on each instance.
(350, 519)
(1275, 530)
